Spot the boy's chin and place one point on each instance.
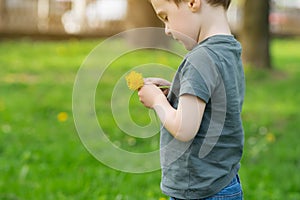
(187, 42)
(189, 47)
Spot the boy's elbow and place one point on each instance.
(186, 130)
(184, 136)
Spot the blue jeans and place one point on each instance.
(233, 191)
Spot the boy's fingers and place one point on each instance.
(156, 81)
(166, 92)
(149, 80)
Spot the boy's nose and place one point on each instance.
(167, 30)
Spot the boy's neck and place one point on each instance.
(217, 23)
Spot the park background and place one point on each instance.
(42, 46)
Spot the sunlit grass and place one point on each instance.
(41, 156)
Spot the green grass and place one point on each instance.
(43, 158)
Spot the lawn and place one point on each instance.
(42, 156)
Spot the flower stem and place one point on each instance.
(164, 86)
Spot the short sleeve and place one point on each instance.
(198, 76)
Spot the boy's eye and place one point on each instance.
(163, 17)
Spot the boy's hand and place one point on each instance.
(150, 94)
(159, 82)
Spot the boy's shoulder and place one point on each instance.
(214, 55)
(217, 46)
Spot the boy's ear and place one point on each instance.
(194, 5)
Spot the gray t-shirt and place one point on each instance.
(200, 168)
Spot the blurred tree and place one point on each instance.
(255, 34)
(2, 11)
(140, 13)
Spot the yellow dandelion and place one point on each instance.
(162, 198)
(134, 80)
(270, 137)
(62, 116)
(131, 141)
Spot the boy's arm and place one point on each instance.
(182, 123)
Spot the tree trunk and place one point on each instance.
(140, 13)
(2, 13)
(255, 36)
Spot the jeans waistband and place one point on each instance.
(235, 180)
